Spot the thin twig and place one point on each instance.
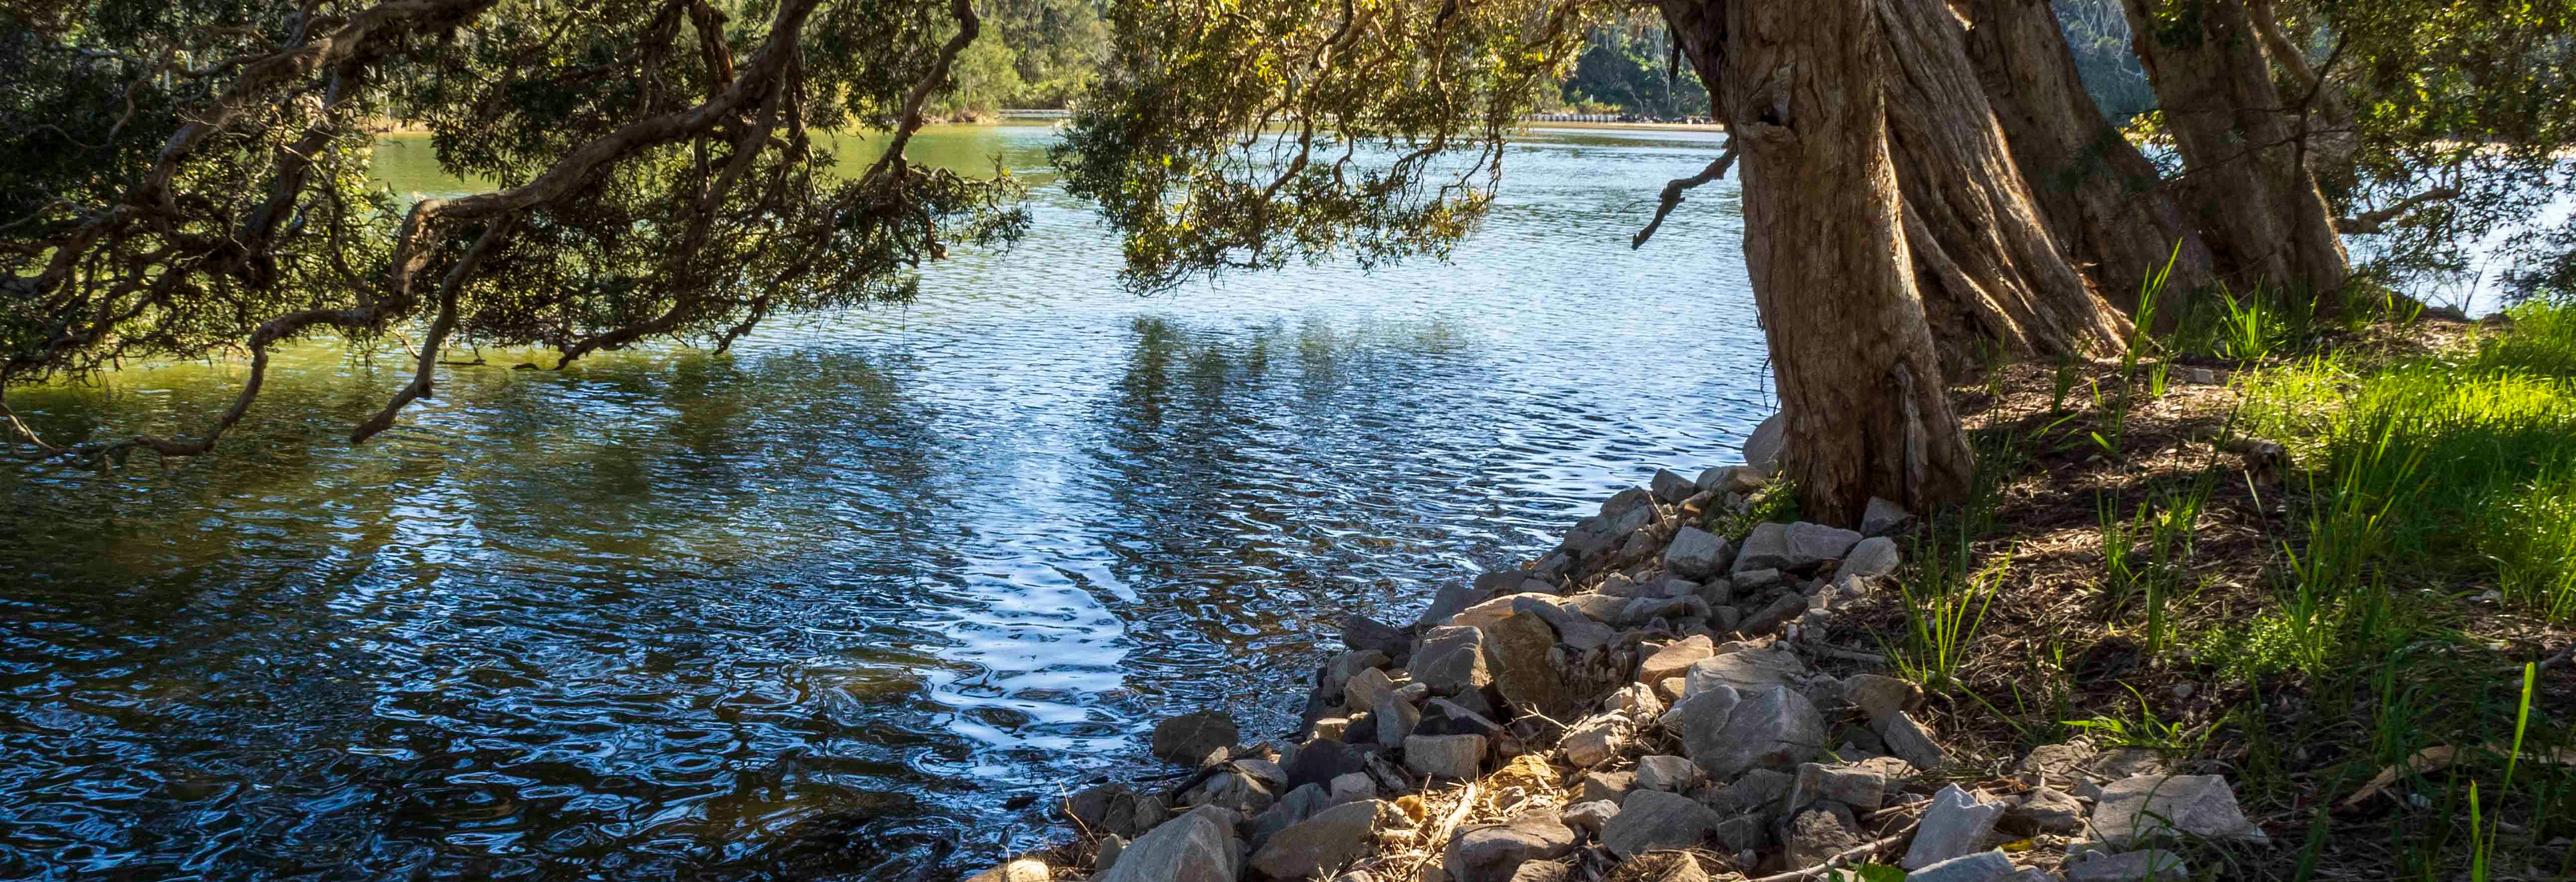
(1674, 189)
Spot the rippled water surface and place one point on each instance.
(823, 607)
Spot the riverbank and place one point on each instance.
(2230, 613)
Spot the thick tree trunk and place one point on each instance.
(2104, 201)
(2245, 171)
(1987, 265)
(1802, 87)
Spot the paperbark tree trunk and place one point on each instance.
(1802, 87)
(2105, 202)
(2245, 172)
(1988, 266)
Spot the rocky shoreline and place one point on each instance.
(1649, 702)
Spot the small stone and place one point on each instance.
(1696, 554)
(1114, 808)
(1187, 739)
(1014, 870)
(1860, 787)
(1880, 696)
(1396, 719)
(1883, 518)
(1361, 633)
(2150, 865)
(1196, 847)
(1956, 824)
(1611, 786)
(1334, 728)
(1451, 659)
(2052, 762)
(1818, 834)
(1493, 853)
(1365, 688)
(1872, 557)
(1747, 582)
(1106, 855)
(1672, 774)
(1440, 716)
(1671, 488)
(1330, 840)
(1321, 760)
(1652, 820)
(1773, 615)
(2047, 810)
(2134, 810)
(1595, 739)
(1636, 701)
(1448, 601)
(1590, 816)
(1459, 757)
(1745, 670)
(1759, 792)
(1983, 866)
(1907, 741)
(1350, 788)
(1297, 805)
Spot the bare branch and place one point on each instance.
(2374, 221)
(1674, 189)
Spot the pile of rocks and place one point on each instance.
(1642, 703)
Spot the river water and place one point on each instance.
(822, 608)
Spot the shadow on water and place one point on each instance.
(841, 604)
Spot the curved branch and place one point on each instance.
(439, 328)
(1674, 189)
(2369, 222)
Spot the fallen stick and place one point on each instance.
(1434, 846)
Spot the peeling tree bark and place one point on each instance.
(2105, 202)
(1802, 87)
(2245, 161)
(1987, 265)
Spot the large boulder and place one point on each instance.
(1527, 672)
(1188, 739)
(2134, 810)
(1954, 825)
(1745, 670)
(1330, 840)
(1653, 820)
(1796, 546)
(1727, 732)
(1196, 847)
(1493, 853)
(1762, 447)
(1671, 488)
(1452, 659)
(1363, 634)
(1696, 554)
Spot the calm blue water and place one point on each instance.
(821, 607)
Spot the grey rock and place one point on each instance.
(1636, 700)
(1447, 601)
(1745, 670)
(1879, 697)
(1611, 786)
(1352, 787)
(1626, 511)
(1320, 760)
(1330, 840)
(1460, 757)
(1196, 847)
(1955, 824)
(1696, 554)
(1572, 629)
(2135, 810)
(1749, 582)
(2150, 865)
(1232, 790)
(1451, 659)
(1590, 816)
(1820, 833)
(1265, 771)
(1595, 739)
(1652, 820)
(1493, 853)
(1188, 739)
(1365, 688)
(1762, 448)
(1671, 488)
(1906, 740)
(1526, 671)
(1671, 774)
(1983, 866)
(1628, 611)
(1366, 634)
(1860, 787)
(1770, 727)
(1349, 663)
(1441, 716)
(1538, 871)
(2046, 810)
(1396, 719)
(1793, 546)
(1873, 557)
(1106, 854)
(2058, 763)
(1817, 543)
(1773, 615)
(2127, 762)
(1675, 658)
(1759, 791)
(1297, 805)
(1114, 808)
(1766, 548)
(1884, 518)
